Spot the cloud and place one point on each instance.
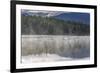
(45, 13)
(54, 13)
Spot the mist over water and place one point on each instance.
(65, 46)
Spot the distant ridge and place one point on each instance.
(71, 16)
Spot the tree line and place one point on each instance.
(38, 25)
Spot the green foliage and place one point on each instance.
(37, 25)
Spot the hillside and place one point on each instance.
(38, 25)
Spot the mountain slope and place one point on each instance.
(71, 16)
(77, 17)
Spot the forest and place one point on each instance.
(38, 25)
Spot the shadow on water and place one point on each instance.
(82, 53)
